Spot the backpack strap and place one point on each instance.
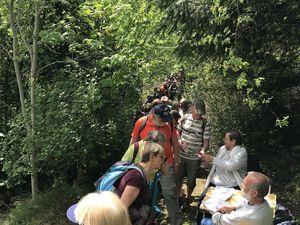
(122, 171)
(143, 124)
(203, 128)
(142, 171)
(135, 167)
(135, 151)
(184, 119)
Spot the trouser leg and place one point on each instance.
(180, 176)
(192, 168)
(169, 190)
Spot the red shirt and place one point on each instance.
(165, 130)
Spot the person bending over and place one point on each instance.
(133, 188)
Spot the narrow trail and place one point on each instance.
(189, 214)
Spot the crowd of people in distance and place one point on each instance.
(172, 87)
(174, 139)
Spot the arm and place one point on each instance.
(132, 140)
(226, 209)
(181, 144)
(129, 195)
(219, 218)
(135, 132)
(205, 146)
(206, 136)
(208, 159)
(175, 146)
(231, 216)
(238, 160)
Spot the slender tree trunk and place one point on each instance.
(15, 58)
(33, 76)
(33, 51)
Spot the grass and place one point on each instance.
(49, 208)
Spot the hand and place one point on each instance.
(165, 168)
(175, 169)
(200, 154)
(183, 145)
(226, 209)
(206, 158)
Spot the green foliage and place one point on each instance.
(253, 41)
(48, 208)
(94, 58)
(98, 59)
(245, 61)
(226, 108)
(282, 122)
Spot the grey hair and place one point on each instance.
(261, 185)
(156, 136)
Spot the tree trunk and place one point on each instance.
(33, 75)
(33, 51)
(15, 58)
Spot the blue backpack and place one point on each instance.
(108, 181)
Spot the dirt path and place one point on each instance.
(188, 215)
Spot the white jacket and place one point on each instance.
(236, 164)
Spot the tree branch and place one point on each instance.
(23, 38)
(50, 64)
(7, 52)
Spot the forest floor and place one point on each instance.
(57, 213)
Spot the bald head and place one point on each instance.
(259, 182)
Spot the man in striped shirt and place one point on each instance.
(193, 138)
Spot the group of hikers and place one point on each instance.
(173, 141)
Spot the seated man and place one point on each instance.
(254, 209)
(229, 166)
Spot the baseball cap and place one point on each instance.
(163, 111)
(164, 99)
(199, 106)
(71, 214)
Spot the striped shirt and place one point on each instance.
(193, 132)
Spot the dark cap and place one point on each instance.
(175, 114)
(199, 106)
(163, 111)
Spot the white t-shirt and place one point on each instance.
(246, 214)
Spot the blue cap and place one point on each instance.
(71, 214)
(163, 111)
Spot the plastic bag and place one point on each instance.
(283, 216)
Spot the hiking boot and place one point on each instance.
(186, 204)
(183, 203)
(180, 202)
